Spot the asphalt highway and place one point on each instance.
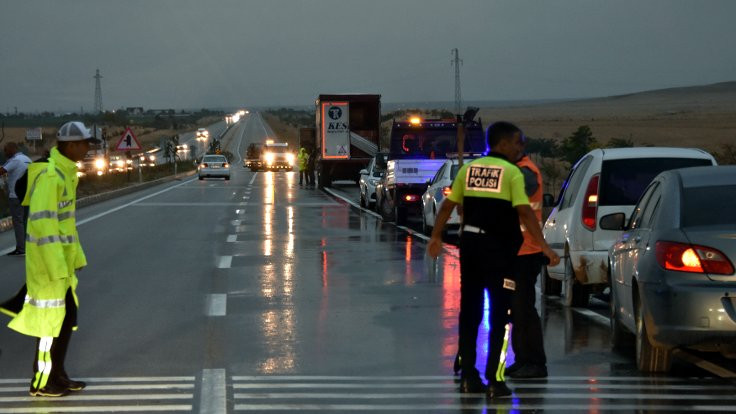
(258, 294)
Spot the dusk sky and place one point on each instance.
(230, 53)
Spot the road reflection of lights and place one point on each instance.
(408, 271)
(450, 306)
(279, 334)
(269, 191)
(290, 224)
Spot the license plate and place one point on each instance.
(215, 166)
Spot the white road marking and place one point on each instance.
(352, 203)
(413, 233)
(232, 238)
(452, 395)
(236, 222)
(208, 204)
(213, 399)
(97, 409)
(482, 407)
(446, 379)
(116, 387)
(706, 365)
(225, 262)
(388, 385)
(110, 379)
(253, 178)
(596, 317)
(104, 397)
(217, 304)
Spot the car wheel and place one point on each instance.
(573, 293)
(201, 178)
(384, 211)
(400, 215)
(362, 200)
(620, 338)
(426, 228)
(550, 286)
(649, 358)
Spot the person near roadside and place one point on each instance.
(311, 162)
(494, 203)
(53, 256)
(301, 160)
(15, 167)
(527, 339)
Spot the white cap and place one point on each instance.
(75, 131)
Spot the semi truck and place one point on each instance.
(348, 135)
(418, 148)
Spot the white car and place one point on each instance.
(369, 177)
(203, 133)
(603, 181)
(213, 166)
(439, 188)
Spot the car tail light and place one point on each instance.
(224, 165)
(590, 204)
(446, 191)
(682, 257)
(411, 198)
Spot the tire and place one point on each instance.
(649, 358)
(426, 228)
(384, 211)
(573, 293)
(362, 200)
(227, 178)
(201, 178)
(400, 215)
(620, 337)
(550, 286)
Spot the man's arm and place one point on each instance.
(529, 220)
(435, 243)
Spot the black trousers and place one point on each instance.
(526, 336)
(310, 176)
(53, 350)
(302, 174)
(480, 269)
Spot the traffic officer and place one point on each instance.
(53, 255)
(526, 335)
(302, 159)
(491, 192)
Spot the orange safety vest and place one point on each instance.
(535, 200)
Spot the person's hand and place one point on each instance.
(434, 247)
(554, 259)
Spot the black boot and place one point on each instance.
(497, 390)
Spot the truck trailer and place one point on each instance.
(348, 135)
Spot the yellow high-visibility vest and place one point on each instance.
(53, 252)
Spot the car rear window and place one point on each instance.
(707, 206)
(453, 171)
(623, 181)
(214, 159)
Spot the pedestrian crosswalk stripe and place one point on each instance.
(478, 406)
(101, 397)
(338, 385)
(110, 379)
(446, 378)
(436, 395)
(97, 409)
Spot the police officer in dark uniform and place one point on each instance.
(494, 203)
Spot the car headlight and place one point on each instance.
(373, 182)
(290, 158)
(269, 157)
(100, 163)
(152, 157)
(79, 165)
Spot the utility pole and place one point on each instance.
(456, 61)
(98, 93)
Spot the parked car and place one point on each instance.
(369, 177)
(438, 188)
(213, 165)
(601, 182)
(671, 270)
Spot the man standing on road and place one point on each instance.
(311, 162)
(302, 159)
(15, 166)
(53, 256)
(491, 192)
(526, 335)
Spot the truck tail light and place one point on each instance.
(590, 204)
(682, 257)
(411, 198)
(446, 191)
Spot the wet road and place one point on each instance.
(256, 294)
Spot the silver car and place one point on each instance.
(671, 270)
(369, 178)
(213, 166)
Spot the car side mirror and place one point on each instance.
(548, 200)
(363, 172)
(429, 182)
(615, 221)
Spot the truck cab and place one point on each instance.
(418, 148)
(276, 156)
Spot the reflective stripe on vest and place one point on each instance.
(46, 303)
(49, 239)
(535, 202)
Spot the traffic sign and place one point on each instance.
(128, 142)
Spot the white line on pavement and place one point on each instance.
(217, 304)
(232, 238)
(208, 204)
(352, 203)
(444, 378)
(481, 407)
(706, 365)
(225, 262)
(253, 178)
(109, 379)
(98, 409)
(433, 395)
(214, 393)
(105, 397)
(404, 385)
